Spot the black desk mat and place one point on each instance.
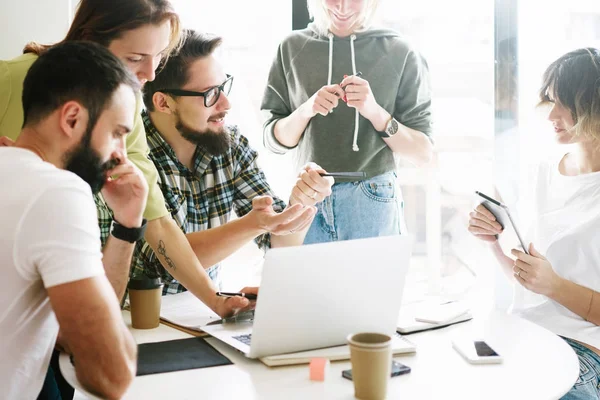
(178, 355)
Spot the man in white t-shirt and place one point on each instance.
(79, 104)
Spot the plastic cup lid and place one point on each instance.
(144, 283)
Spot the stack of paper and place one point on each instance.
(185, 310)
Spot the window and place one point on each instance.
(486, 59)
(457, 40)
(461, 64)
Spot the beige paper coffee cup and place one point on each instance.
(145, 296)
(371, 357)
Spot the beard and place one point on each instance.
(215, 143)
(86, 163)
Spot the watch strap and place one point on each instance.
(130, 235)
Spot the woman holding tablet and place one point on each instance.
(558, 283)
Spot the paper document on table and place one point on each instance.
(400, 345)
(184, 309)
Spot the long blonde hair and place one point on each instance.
(320, 16)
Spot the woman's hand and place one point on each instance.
(483, 224)
(323, 102)
(311, 188)
(534, 272)
(359, 96)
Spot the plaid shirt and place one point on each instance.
(204, 197)
(105, 217)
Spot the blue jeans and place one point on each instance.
(55, 386)
(361, 209)
(587, 386)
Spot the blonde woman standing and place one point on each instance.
(350, 97)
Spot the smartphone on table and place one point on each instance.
(502, 214)
(476, 351)
(397, 369)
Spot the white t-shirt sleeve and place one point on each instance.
(58, 239)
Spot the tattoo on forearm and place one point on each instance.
(163, 252)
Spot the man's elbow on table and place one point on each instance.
(104, 352)
(112, 379)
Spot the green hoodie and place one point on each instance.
(399, 79)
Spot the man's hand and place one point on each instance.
(290, 220)
(229, 306)
(535, 272)
(5, 141)
(126, 192)
(311, 188)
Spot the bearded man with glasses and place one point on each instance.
(207, 169)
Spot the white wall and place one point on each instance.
(22, 21)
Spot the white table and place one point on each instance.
(537, 365)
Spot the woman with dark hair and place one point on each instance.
(141, 33)
(557, 285)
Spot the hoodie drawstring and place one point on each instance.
(356, 113)
(330, 35)
(354, 141)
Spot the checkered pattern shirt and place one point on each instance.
(105, 217)
(204, 197)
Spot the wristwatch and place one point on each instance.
(390, 129)
(130, 235)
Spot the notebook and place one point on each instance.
(184, 310)
(426, 317)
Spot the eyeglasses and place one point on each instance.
(211, 96)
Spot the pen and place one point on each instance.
(488, 198)
(359, 174)
(344, 88)
(359, 74)
(249, 296)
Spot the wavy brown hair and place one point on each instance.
(103, 21)
(573, 81)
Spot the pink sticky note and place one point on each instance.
(318, 368)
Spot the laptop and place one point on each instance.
(314, 296)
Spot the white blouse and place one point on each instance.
(566, 230)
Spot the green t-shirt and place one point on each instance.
(12, 75)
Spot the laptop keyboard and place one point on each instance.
(244, 338)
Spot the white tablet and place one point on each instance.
(502, 214)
